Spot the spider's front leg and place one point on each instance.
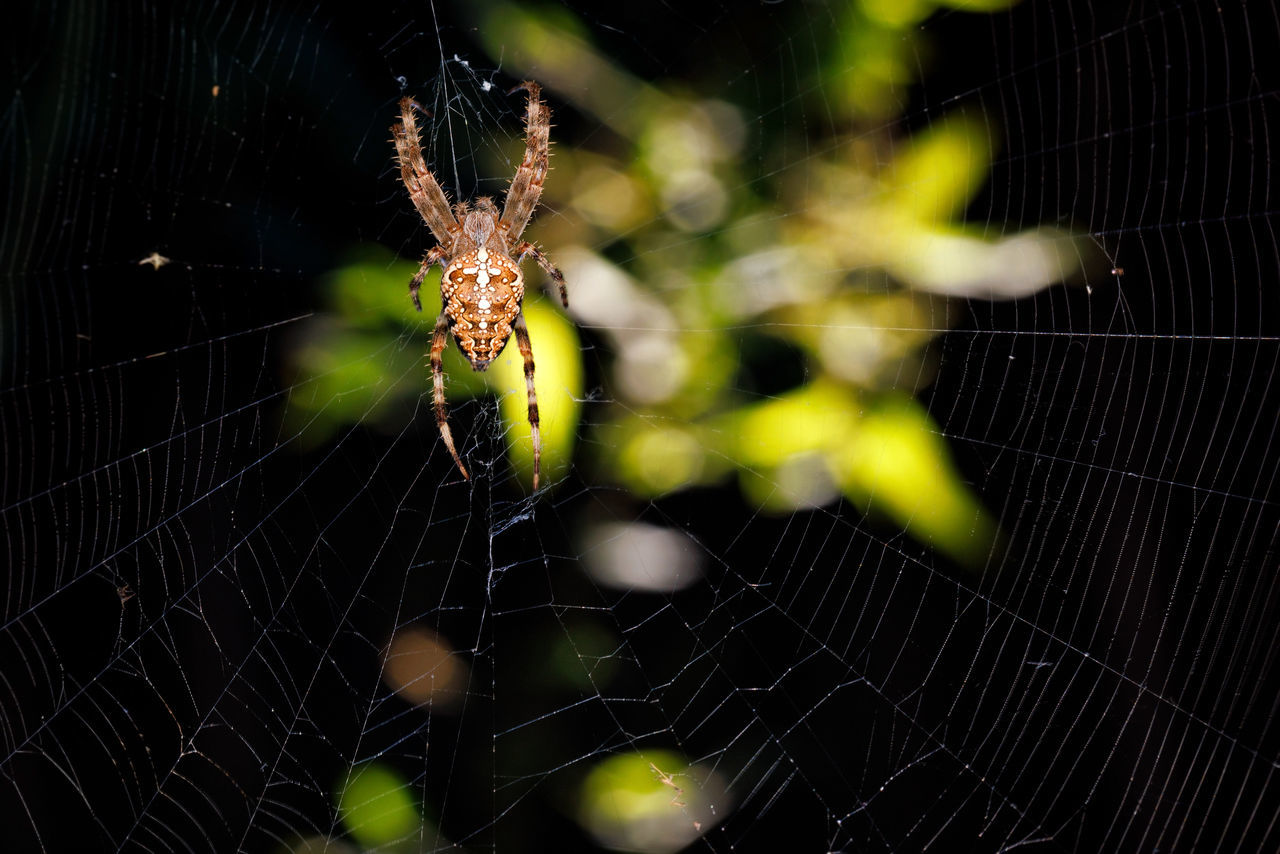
(435, 256)
(438, 341)
(423, 188)
(528, 250)
(526, 186)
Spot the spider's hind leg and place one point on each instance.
(526, 350)
(438, 341)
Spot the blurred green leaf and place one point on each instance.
(977, 5)
(373, 292)
(933, 178)
(346, 376)
(651, 801)
(375, 807)
(896, 463)
(584, 655)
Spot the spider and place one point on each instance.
(482, 287)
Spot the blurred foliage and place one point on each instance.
(652, 801)
(378, 810)
(696, 273)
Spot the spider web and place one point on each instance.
(207, 568)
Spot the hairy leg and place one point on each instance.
(527, 249)
(526, 350)
(423, 188)
(436, 255)
(438, 341)
(526, 186)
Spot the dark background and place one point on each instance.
(1125, 440)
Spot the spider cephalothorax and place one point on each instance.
(482, 288)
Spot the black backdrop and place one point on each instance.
(1125, 439)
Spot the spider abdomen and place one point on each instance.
(481, 292)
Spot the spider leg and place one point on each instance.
(526, 350)
(526, 186)
(436, 255)
(423, 188)
(528, 250)
(438, 341)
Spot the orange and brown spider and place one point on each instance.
(482, 287)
